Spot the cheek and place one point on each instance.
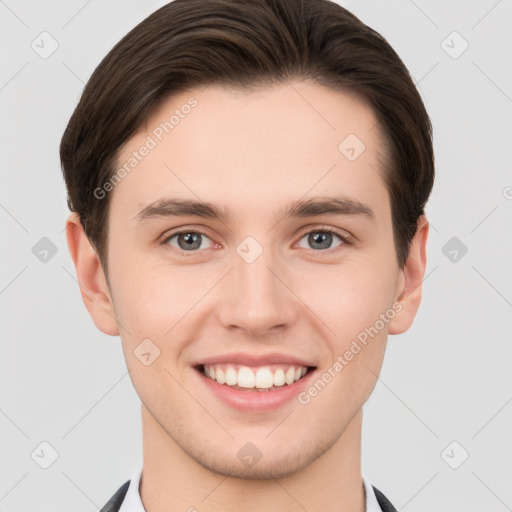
(350, 305)
(151, 299)
(347, 298)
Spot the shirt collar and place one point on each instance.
(372, 505)
(133, 503)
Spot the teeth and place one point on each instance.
(262, 378)
(279, 377)
(246, 377)
(231, 377)
(220, 377)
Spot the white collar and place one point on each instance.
(133, 503)
(372, 505)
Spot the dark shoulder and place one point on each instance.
(114, 503)
(383, 502)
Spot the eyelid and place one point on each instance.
(346, 238)
(164, 240)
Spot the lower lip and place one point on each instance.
(254, 400)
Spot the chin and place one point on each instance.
(278, 467)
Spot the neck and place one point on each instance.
(171, 480)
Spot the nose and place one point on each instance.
(257, 299)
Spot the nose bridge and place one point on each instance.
(256, 300)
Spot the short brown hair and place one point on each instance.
(241, 44)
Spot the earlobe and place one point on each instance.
(411, 280)
(91, 278)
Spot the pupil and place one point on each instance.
(190, 240)
(323, 239)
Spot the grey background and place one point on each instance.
(447, 379)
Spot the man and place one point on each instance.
(248, 182)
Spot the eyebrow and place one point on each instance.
(175, 207)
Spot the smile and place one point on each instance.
(255, 389)
(262, 378)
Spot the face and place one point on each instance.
(277, 278)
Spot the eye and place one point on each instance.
(322, 239)
(189, 240)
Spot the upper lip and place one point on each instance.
(254, 360)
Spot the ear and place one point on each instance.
(91, 278)
(410, 282)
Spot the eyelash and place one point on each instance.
(346, 239)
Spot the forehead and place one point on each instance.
(290, 141)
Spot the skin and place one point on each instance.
(254, 153)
